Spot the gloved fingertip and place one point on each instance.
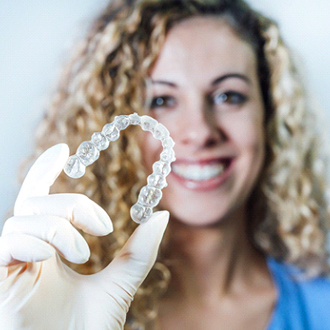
(108, 228)
(155, 225)
(60, 148)
(82, 258)
(41, 251)
(45, 251)
(82, 254)
(42, 174)
(57, 153)
(105, 221)
(161, 215)
(159, 218)
(62, 152)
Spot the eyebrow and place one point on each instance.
(230, 75)
(163, 82)
(214, 82)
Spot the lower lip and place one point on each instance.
(204, 185)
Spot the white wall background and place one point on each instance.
(35, 35)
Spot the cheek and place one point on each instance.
(252, 146)
(247, 130)
(250, 139)
(248, 136)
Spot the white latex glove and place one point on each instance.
(37, 291)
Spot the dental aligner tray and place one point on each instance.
(89, 151)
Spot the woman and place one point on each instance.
(245, 189)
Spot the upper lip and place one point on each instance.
(202, 161)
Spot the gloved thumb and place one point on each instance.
(130, 267)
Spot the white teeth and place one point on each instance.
(198, 172)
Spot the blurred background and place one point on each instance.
(35, 39)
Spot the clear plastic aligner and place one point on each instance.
(89, 151)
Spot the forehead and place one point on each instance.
(203, 47)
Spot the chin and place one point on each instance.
(197, 218)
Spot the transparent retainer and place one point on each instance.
(89, 151)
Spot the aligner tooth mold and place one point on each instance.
(89, 151)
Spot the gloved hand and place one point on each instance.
(38, 291)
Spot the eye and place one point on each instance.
(229, 97)
(162, 101)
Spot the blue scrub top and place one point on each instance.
(303, 304)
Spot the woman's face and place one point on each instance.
(206, 91)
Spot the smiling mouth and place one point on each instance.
(200, 171)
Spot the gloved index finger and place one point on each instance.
(42, 174)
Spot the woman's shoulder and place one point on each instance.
(292, 275)
(300, 298)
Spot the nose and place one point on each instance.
(198, 126)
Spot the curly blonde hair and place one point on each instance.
(106, 77)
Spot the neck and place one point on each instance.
(208, 262)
